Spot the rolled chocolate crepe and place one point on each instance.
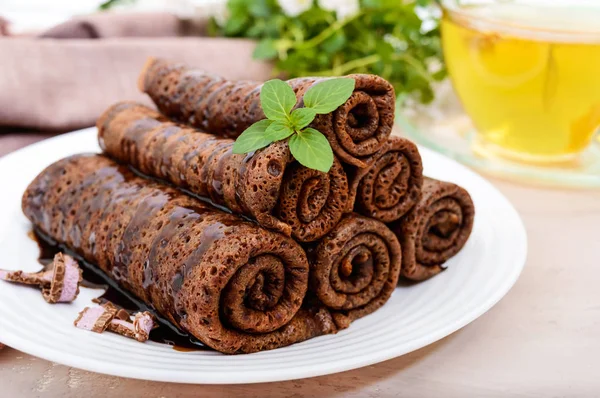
(233, 285)
(267, 185)
(435, 230)
(391, 185)
(356, 130)
(355, 268)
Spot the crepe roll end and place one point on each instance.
(141, 83)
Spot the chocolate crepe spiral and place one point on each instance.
(356, 130)
(355, 268)
(435, 230)
(267, 185)
(391, 185)
(233, 285)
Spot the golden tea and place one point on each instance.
(528, 76)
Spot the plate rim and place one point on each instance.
(249, 377)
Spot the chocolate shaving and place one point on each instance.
(42, 278)
(138, 330)
(96, 319)
(108, 317)
(59, 284)
(66, 278)
(122, 327)
(122, 315)
(143, 324)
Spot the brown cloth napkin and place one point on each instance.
(125, 25)
(64, 84)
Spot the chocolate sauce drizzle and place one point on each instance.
(94, 278)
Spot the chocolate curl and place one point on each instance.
(138, 330)
(66, 277)
(96, 319)
(2, 346)
(59, 284)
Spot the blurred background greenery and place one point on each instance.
(396, 39)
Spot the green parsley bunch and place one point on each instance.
(384, 37)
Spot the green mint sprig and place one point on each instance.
(307, 145)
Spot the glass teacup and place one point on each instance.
(527, 73)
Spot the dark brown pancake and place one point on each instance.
(355, 268)
(356, 130)
(391, 185)
(435, 230)
(233, 285)
(268, 185)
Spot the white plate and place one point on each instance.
(477, 278)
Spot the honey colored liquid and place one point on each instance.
(531, 96)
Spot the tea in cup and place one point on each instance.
(527, 74)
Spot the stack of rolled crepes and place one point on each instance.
(250, 252)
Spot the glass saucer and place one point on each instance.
(444, 127)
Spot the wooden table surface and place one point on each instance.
(541, 340)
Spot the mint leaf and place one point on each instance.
(328, 95)
(253, 137)
(302, 117)
(312, 150)
(265, 49)
(277, 100)
(278, 131)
